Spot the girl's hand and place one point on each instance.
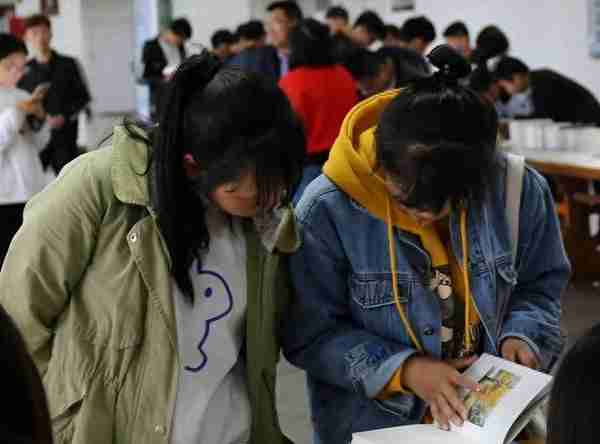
(32, 107)
(517, 350)
(436, 382)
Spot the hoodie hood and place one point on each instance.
(352, 166)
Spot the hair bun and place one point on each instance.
(451, 64)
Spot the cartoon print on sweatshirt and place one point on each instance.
(217, 303)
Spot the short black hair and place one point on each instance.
(456, 29)
(364, 64)
(310, 45)
(509, 66)
(9, 44)
(572, 414)
(182, 28)
(252, 30)
(409, 65)
(396, 32)
(37, 20)
(419, 27)
(373, 23)
(490, 42)
(337, 12)
(221, 37)
(291, 9)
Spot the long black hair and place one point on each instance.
(573, 414)
(231, 122)
(25, 417)
(437, 139)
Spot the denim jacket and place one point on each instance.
(345, 331)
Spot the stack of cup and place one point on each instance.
(588, 139)
(553, 140)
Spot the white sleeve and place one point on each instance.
(41, 138)
(11, 122)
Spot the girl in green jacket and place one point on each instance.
(148, 279)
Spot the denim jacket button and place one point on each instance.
(428, 331)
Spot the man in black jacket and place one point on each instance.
(545, 94)
(166, 50)
(67, 97)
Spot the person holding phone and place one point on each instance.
(21, 173)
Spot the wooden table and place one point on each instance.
(573, 173)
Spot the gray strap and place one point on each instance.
(515, 170)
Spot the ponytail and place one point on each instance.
(184, 236)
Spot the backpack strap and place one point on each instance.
(515, 170)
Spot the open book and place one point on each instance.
(509, 397)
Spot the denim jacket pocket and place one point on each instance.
(374, 290)
(374, 306)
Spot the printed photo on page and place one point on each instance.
(509, 395)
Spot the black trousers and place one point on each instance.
(11, 218)
(62, 147)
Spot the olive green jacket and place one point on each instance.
(87, 281)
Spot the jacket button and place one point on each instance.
(428, 331)
(159, 429)
(133, 237)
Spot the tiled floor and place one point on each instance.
(581, 310)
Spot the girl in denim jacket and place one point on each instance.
(405, 274)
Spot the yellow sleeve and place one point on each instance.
(393, 387)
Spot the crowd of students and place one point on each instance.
(155, 281)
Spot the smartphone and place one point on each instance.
(41, 90)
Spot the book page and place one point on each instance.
(507, 391)
(417, 434)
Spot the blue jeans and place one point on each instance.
(310, 173)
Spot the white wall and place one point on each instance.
(109, 52)
(544, 33)
(207, 16)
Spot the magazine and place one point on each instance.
(510, 395)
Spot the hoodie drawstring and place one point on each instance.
(394, 267)
(465, 277)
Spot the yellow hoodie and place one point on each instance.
(352, 167)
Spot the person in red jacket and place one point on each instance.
(320, 91)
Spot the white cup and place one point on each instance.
(516, 133)
(588, 140)
(570, 137)
(553, 140)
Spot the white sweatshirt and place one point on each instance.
(21, 173)
(212, 397)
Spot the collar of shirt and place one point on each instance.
(284, 62)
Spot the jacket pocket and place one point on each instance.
(375, 290)
(63, 422)
(373, 304)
